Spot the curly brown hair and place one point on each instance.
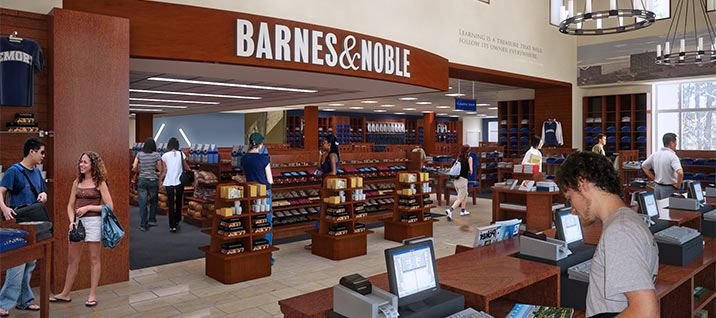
(590, 167)
(99, 172)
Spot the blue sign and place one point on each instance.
(465, 104)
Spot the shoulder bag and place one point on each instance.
(30, 212)
(187, 176)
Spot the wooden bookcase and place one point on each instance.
(247, 265)
(622, 134)
(398, 230)
(516, 121)
(486, 156)
(294, 131)
(338, 247)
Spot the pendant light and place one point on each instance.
(577, 24)
(691, 46)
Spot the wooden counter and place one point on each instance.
(538, 215)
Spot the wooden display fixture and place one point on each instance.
(491, 173)
(338, 247)
(608, 115)
(516, 126)
(243, 266)
(395, 228)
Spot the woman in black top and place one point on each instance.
(461, 183)
(328, 159)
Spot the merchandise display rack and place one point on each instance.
(704, 173)
(338, 247)
(516, 126)
(488, 156)
(624, 119)
(395, 228)
(248, 264)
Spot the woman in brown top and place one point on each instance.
(89, 192)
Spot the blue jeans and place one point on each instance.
(146, 187)
(16, 290)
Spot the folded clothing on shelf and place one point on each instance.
(626, 139)
(589, 120)
(711, 162)
(641, 139)
(588, 139)
(625, 147)
(524, 139)
(513, 130)
(700, 161)
(597, 129)
(687, 161)
(626, 119)
(513, 138)
(525, 121)
(641, 128)
(626, 128)
(612, 148)
(524, 130)
(588, 129)
(611, 128)
(611, 139)
(503, 130)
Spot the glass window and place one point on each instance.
(492, 129)
(662, 8)
(687, 109)
(711, 5)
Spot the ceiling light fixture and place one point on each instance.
(368, 102)
(400, 113)
(356, 107)
(481, 115)
(455, 116)
(484, 104)
(145, 110)
(408, 98)
(409, 108)
(172, 101)
(492, 108)
(335, 104)
(695, 53)
(443, 106)
(454, 94)
(185, 138)
(423, 103)
(457, 110)
(574, 24)
(273, 88)
(387, 105)
(190, 94)
(380, 110)
(471, 113)
(328, 109)
(159, 106)
(159, 132)
(427, 111)
(441, 114)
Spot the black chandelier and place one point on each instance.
(573, 23)
(695, 53)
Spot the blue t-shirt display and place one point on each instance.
(17, 63)
(254, 165)
(19, 192)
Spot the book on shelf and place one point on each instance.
(556, 206)
(527, 185)
(499, 231)
(525, 311)
(513, 206)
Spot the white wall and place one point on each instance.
(471, 125)
(35, 6)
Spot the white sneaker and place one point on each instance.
(449, 214)
(463, 212)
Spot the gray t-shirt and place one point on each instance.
(148, 165)
(626, 259)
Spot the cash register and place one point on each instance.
(414, 287)
(650, 211)
(694, 201)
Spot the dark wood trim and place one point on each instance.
(480, 74)
(144, 126)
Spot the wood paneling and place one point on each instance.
(145, 126)
(90, 85)
(174, 32)
(556, 103)
(310, 129)
(429, 127)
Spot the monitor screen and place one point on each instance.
(571, 227)
(697, 193)
(649, 206)
(411, 271)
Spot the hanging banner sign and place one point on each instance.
(469, 105)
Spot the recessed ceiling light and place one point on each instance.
(356, 107)
(457, 110)
(273, 88)
(409, 108)
(493, 108)
(335, 104)
(454, 115)
(190, 94)
(380, 110)
(408, 98)
(158, 106)
(368, 102)
(449, 87)
(442, 106)
(471, 113)
(400, 113)
(423, 103)
(441, 114)
(481, 115)
(454, 94)
(427, 111)
(172, 101)
(328, 109)
(144, 110)
(484, 104)
(387, 105)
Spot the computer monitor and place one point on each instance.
(647, 204)
(695, 191)
(412, 274)
(569, 228)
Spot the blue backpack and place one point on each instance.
(112, 231)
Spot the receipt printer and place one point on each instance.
(356, 297)
(711, 192)
(682, 203)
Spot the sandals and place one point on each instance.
(5, 313)
(29, 308)
(60, 300)
(91, 303)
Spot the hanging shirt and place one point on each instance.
(552, 134)
(17, 63)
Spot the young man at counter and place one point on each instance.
(625, 264)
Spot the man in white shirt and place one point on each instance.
(668, 173)
(534, 156)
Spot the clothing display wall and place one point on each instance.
(19, 58)
(552, 133)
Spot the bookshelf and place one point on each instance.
(254, 260)
(486, 165)
(416, 220)
(516, 126)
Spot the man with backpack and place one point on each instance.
(16, 182)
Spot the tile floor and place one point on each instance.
(182, 289)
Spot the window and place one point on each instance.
(687, 109)
(492, 126)
(711, 5)
(662, 8)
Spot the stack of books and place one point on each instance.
(547, 186)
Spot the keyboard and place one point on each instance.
(470, 313)
(710, 216)
(676, 235)
(580, 271)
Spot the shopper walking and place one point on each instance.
(257, 168)
(328, 158)
(89, 193)
(534, 156)
(668, 173)
(16, 290)
(172, 164)
(463, 157)
(146, 164)
(599, 147)
(626, 262)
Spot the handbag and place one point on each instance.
(187, 176)
(77, 234)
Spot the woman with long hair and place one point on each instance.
(172, 164)
(146, 164)
(89, 193)
(328, 158)
(461, 182)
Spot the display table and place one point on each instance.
(40, 251)
(538, 214)
(441, 180)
